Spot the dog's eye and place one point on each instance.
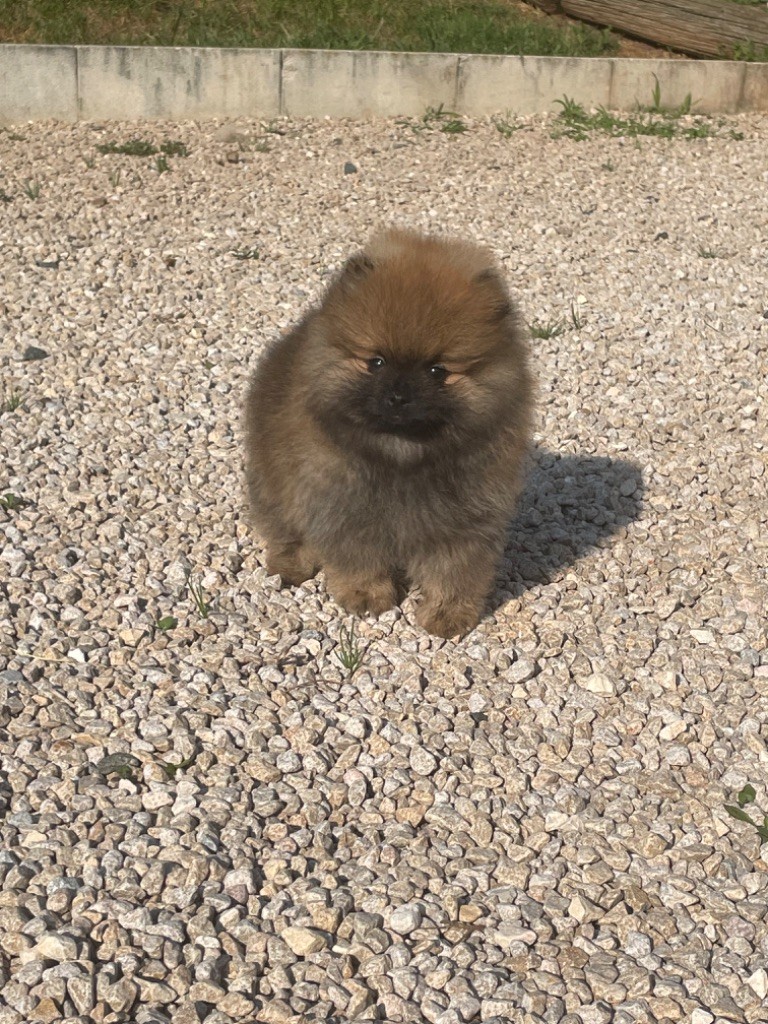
(375, 364)
(438, 373)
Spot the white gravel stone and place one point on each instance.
(422, 761)
(303, 941)
(405, 919)
(758, 982)
(599, 683)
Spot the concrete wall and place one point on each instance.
(126, 83)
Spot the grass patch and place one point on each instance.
(506, 126)
(170, 769)
(709, 254)
(141, 147)
(435, 119)
(655, 119)
(31, 189)
(11, 502)
(134, 147)
(245, 254)
(447, 121)
(464, 26)
(744, 797)
(12, 401)
(197, 593)
(174, 149)
(349, 653)
(547, 329)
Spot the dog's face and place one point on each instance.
(412, 349)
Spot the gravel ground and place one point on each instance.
(214, 821)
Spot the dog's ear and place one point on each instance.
(494, 294)
(355, 269)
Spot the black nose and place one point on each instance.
(396, 399)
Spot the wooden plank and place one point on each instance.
(702, 28)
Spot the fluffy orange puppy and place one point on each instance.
(386, 434)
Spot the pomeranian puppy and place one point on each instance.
(386, 433)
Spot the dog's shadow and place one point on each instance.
(570, 504)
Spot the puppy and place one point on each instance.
(386, 433)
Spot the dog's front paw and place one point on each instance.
(370, 597)
(447, 618)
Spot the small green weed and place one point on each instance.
(445, 120)
(608, 166)
(167, 622)
(747, 796)
(121, 765)
(245, 254)
(505, 126)
(709, 254)
(114, 177)
(89, 162)
(657, 107)
(32, 189)
(161, 164)
(170, 769)
(349, 652)
(174, 149)
(435, 118)
(197, 593)
(12, 401)
(548, 329)
(576, 318)
(11, 502)
(134, 147)
(5, 197)
(655, 119)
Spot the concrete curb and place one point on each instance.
(125, 83)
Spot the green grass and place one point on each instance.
(743, 798)
(574, 122)
(134, 147)
(170, 768)
(251, 253)
(349, 653)
(12, 401)
(197, 593)
(548, 329)
(506, 126)
(141, 147)
(465, 26)
(174, 149)
(11, 502)
(709, 253)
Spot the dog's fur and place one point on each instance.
(401, 471)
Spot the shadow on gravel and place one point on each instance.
(569, 505)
